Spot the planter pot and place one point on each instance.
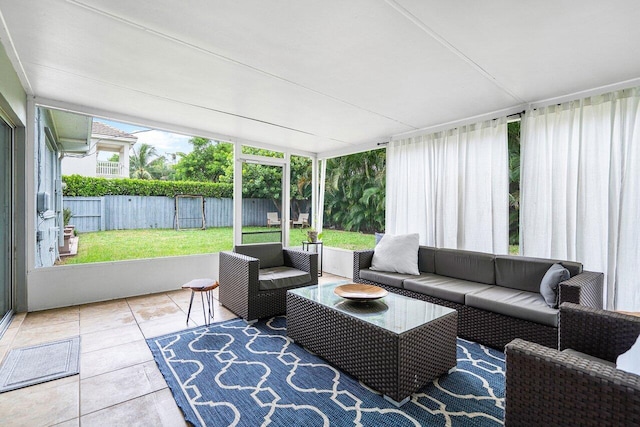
(65, 249)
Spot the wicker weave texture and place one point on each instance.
(497, 330)
(240, 286)
(484, 327)
(361, 259)
(584, 289)
(493, 329)
(545, 387)
(395, 365)
(600, 333)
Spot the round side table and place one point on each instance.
(204, 287)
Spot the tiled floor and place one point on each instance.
(119, 383)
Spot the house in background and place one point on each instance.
(88, 161)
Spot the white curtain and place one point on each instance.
(580, 188)
(451, 187)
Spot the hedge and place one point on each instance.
(82, 186)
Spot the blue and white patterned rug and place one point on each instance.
(238, 374)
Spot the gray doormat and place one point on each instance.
(40, 363)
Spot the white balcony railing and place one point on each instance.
(109, 169)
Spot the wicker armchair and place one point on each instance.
(545, 386)
(254, 279)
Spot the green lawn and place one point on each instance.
(117, 245)
(120, 245)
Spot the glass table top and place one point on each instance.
(395, 313)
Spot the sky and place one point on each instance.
(166, 143)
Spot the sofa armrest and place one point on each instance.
(565, 389)
(361, 259)
(238, 274)
(600, 333)
(585, 288)
(302, 260)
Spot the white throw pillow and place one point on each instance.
(397, 254)
(629, 361)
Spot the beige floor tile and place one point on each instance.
(220, 314)
(110, 337)
(180, 296)
(43, 404)
(154, 312)
(167, 325)
(148, 300)
(4, 349)
(115, 387)
(8, 336)
(105, 307)
(17, 320)
(71, 423)
(42, 334)
(154, 409)
(104, 321)
(114, 358)
(50, 317)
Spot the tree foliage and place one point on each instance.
(145, 163)
(513, 138)
(355, 191)
(355, 186)
(210, 161)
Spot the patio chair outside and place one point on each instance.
(302, 221)
(272, 219)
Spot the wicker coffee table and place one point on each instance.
(395, 345)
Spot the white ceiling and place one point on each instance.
(322, 76)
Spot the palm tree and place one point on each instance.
(355, 191)
(143, 162)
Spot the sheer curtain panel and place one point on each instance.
(580, 188)
(451, 187)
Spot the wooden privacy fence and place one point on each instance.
(135, 212)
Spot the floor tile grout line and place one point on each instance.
(125, 401)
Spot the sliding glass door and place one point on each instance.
(6, 215)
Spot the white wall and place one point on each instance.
(338, 261)
(68, 285)
(85, 166)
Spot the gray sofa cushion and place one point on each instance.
(447, 288)
(526, 273)
(282, 277)
(466, 265)
(427, 259)
(515, 303)
(385, 277)
(269, 254)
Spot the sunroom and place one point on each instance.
(433, 84)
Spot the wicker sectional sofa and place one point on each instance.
(497, 296)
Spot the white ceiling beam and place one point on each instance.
(167, 127)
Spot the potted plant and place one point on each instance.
(313, 236)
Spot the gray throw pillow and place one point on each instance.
(549, 284)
